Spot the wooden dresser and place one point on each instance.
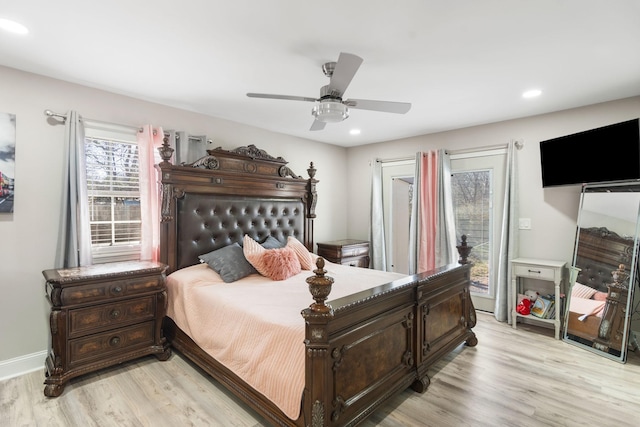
(102, 315)
(346, 252)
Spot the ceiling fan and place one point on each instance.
(330, 107)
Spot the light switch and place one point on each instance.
(524, 223)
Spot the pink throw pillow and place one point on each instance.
(600, 296)
(276, 264)
(582, 291)
(280, 264)
(304, 256)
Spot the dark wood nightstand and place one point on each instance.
(102, 315)
(346, 252)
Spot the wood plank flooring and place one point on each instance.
(512, 378)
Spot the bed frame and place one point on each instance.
(599, 253)
(361, 349)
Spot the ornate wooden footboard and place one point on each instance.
(360, 349)
(366, 347)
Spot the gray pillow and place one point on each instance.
(229, 262)
(269, 243)
(272, 243)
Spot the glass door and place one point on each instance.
(477, 181)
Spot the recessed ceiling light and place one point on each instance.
(13, 26)
(532, 93)
(354, 131)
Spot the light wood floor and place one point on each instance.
(512, 378)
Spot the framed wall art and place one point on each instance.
(7, 161)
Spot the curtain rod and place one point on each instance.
(50, 113)
(202, 138)
(396, 159)
(477, 149)
(519, 143)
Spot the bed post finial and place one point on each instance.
(311, 171)
(320, 288)
(464, 250)
(165, 150)
(620, 276)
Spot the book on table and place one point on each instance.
(543, 307)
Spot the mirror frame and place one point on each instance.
(631, 281)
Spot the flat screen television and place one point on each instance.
(606, 154)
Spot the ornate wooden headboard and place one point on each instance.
(216, 200)
(600, 251)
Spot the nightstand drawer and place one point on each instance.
(93, 319)
(354, 251)
(103, 291)
(83, 350)
(534, 272)
(362, 261)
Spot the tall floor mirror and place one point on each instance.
(604, 271)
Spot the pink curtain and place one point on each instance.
(428, 212)
(149, 139)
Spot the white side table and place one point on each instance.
(553, 271)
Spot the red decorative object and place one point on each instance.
(524, 307)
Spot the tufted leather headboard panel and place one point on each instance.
(207, 223)
(599, 252)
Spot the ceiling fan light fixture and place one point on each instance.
(330, 111)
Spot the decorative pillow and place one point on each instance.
(267, 265)
(280, 264)
(600, 296)
(253, 253)
(271, 243)
(306, 263)
(582, 291)
(229, 262)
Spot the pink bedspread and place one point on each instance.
(586, 307)
(253, 326)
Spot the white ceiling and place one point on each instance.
(460, 63)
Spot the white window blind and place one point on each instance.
(113, 192)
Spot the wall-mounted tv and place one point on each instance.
(606, 154)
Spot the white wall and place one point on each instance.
(553, 211)
(29, 236)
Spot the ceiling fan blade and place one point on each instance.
(343, 73)
(317, 125)
(384, 106)
(285, 97)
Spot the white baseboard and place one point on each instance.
(22, 365)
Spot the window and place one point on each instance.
(114, 193)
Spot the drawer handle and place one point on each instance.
(115, 313)
(114, 341)
(117, 289)
(535, 271)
